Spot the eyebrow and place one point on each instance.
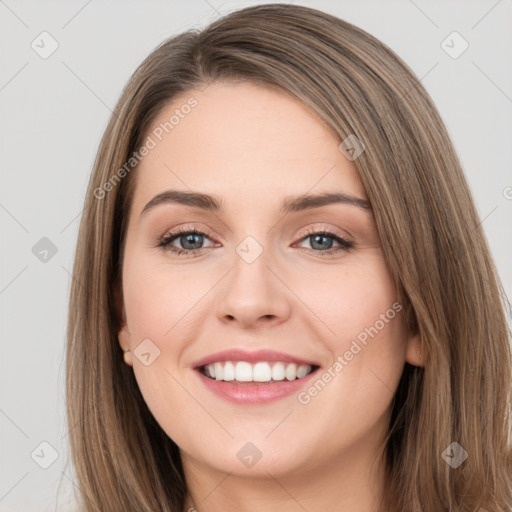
(290, 204)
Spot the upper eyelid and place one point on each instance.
(171, 236)
(203, 231)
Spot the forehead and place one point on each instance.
(244, 140)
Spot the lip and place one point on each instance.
(246, 393)
(236, 354)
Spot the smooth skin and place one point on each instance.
(252, 147)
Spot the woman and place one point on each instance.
(279, 240)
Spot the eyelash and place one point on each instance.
(165, 242)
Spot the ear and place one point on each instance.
(123, 334)
(413, 353)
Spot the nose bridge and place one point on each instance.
(251, 274)
(252, 290)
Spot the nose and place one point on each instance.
(254, 293)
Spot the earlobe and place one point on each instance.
(123, 335)
(414, 352)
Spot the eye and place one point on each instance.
(190, 240)
(321, 242)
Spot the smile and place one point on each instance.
(243, 371)
(254, 377)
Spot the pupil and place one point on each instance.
(319, 239)
(190, 238)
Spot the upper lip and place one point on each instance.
(255, 356)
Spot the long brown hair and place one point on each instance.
(431, 236)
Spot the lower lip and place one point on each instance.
(254, 393)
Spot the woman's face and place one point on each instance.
(272, 287)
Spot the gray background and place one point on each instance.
(53, 112)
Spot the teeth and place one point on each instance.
(242, 371)
(278, 371)
(261, 372)
(302, 371)
(229, 371)
(291, 371)
(219, 371)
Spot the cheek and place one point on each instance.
(353, 300)
(159, 304)
(366, 337)
(160, 300)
